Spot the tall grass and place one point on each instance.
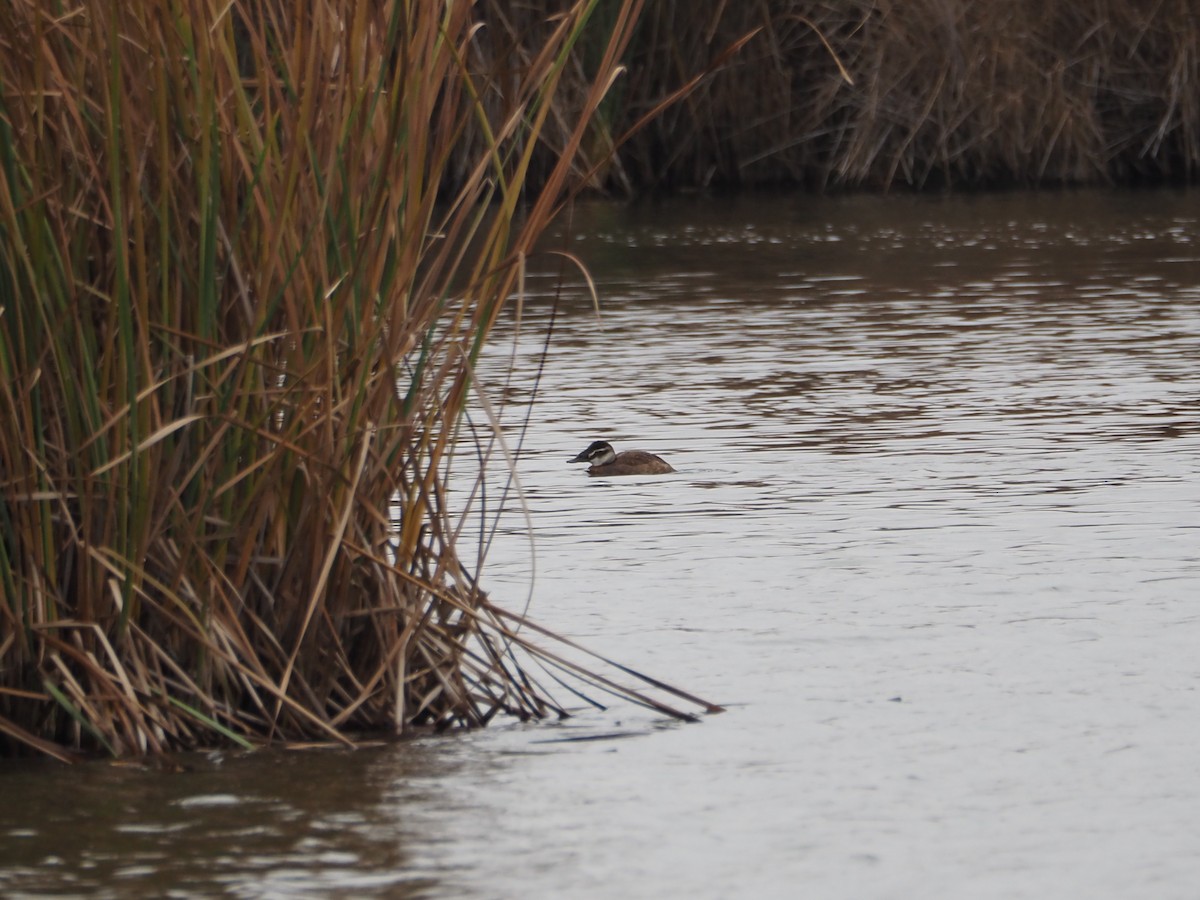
(249, 254)
(881, 93)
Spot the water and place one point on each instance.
(933, 542)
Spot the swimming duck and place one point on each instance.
(606, 461)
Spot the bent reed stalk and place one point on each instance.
(249, 254)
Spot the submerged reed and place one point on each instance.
(249, 254)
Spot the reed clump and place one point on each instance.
(249, 254)
(948, 93)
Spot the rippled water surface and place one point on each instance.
(934, 542)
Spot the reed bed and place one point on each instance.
(948, 93)
(249, 254)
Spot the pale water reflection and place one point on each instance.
(934, 541)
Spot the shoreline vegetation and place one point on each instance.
(250, 252)
(922, 94)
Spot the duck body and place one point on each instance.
(606, 462)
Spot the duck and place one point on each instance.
(605, 461)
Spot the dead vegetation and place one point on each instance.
(948, 93)
(249, 254)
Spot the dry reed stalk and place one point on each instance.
(228, 233)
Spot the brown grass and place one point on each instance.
(881, 93)
(249, 254)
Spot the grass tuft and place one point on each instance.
(249, 254)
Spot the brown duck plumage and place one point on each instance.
(607, 462)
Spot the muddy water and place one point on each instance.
(934, 542)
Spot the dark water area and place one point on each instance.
(934, 541)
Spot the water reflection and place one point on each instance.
(272, 824)
(933, 540)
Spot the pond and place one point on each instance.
(933, 541)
